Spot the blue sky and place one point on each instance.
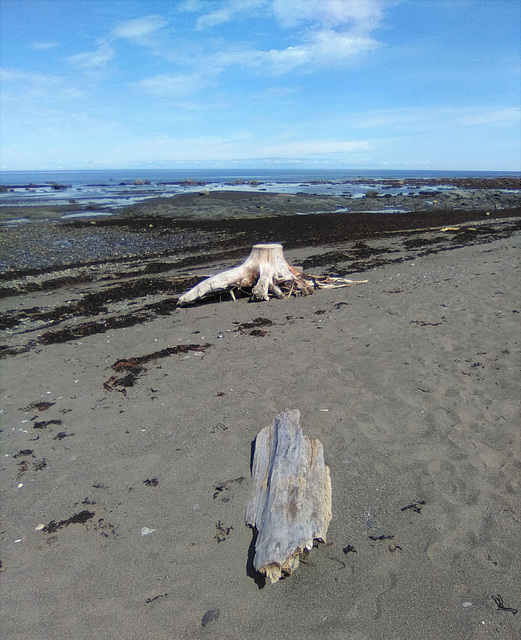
(369, 84)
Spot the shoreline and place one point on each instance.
(132, 268)
(250, 198)
(189, 224)
(65, 303)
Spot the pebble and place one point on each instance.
(145, 531)
(210, 616)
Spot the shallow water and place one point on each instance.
(116, 189)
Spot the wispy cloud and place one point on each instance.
(229, 10)
(427, 117)
(27, 85)
(274, 93)
(299, 148)
(140, 29)
(96, 59)
(239, 145)
(190, 5)
(324, 48)
(358, 15)
(172, 84)
(180, 149)
(329, 33)
(43, 46)
(478, 117)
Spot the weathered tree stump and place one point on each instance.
(266, 273)
(291, 502)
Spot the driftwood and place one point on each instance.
(291, 502)
(266, 273)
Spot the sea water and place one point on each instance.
(113, 189)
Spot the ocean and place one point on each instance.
(112, 189)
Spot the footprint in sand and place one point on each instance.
(451, 545)
(448, 479)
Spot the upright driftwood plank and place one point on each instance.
(291, 503)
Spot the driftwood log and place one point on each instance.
(265, 272)
(290, 506)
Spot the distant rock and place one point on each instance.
(371, 193)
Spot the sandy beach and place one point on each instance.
(124, 488)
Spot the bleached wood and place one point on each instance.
(266, 273)
(264, 270)
(291, 502)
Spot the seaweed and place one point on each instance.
(162, 595)
(39, 405)
(223, 532)
(415, 506)
(349, 549)
(78, 518)
(46, 423)
(254, 324)
(23, 452)
(259, 333)
(501, 605)
(225, 486)
(134, 369)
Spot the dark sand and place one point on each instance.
(410, 381)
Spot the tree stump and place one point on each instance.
(291, 502)
(266, 273)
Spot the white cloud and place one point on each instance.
(301, 148)
(191, 5)
(93, 59)
(431, 118)
(326, 33)
(490, 116)
(140, 28)
(20, 86)
(274, 93)
(14, 75)
(183, 149)
(228, 10)
(172, 84)
(43, 46)
(236, 146)
(325, 48)
(362, 15)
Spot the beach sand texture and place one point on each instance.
(411, 383)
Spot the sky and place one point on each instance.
(369, 84)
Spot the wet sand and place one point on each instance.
(125, 485)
